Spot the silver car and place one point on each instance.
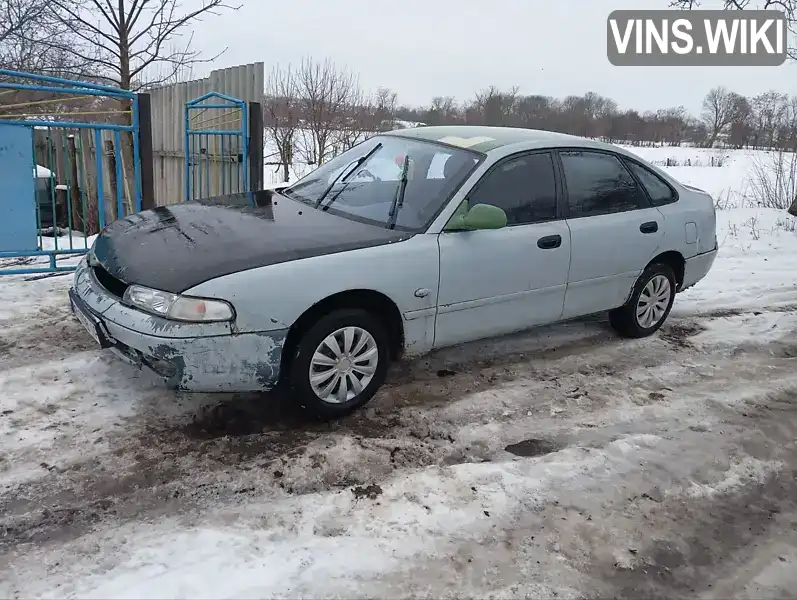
(411, 241)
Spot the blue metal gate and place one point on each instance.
(216, 146)
(49, 213)
(17, 191)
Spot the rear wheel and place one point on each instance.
(340, 363)
(649, 304)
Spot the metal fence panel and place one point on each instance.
(18, 193)
(244, 82)
(78, 175)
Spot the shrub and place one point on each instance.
(774, 180)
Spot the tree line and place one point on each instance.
(316, 109)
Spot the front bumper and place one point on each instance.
(189, 357)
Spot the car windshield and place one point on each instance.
(365, 182)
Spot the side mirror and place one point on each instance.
(479, 216)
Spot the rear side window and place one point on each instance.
(660, 193)
(598, 184)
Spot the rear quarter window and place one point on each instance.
(659, 191)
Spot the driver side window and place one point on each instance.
(524, 187)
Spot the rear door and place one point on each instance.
(498, 281)
(614, 230)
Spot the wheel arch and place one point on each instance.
(675, 260)
(376, 303)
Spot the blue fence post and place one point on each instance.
(100, 187)
(134, 106)
(120, 187)
(187, 125)
(245, 136)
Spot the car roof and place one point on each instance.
(489, 139)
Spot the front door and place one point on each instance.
(494, 282)
(613, 233)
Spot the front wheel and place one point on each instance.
(649, 304)
(340, 363)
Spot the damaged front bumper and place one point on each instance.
(194, 357)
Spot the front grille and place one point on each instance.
(115, 286)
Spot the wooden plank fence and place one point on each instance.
(71, 156)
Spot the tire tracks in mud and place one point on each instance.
(248, 447)
(683, 514)
(53, 332)
(699, 541)
(48, 334)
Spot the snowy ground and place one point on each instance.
(565, 462)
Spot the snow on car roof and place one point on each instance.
(485, 139)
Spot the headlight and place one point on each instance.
(179, 308)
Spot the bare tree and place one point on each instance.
(30, 41)
(769, 109)
(283, 114)
(697, 132)
(576, 116)
(357, 122)
(601, 110)
(740, 133)
(717, 113)
(17, 15)
(671, 125)
(536, 112)
(366, 115)
(134, 43)
(384, 109)
(492, 106)
(32, 37)
(789, 7)
(327, 94)
(443, 110)
(788, 135)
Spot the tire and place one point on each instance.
(343, 325)
(625, 319)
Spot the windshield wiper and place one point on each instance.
(357, 164)
(398, 201)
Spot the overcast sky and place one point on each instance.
(426, 48)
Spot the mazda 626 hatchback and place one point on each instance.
(411, 241)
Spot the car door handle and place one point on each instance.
(549, 242)
(649, 227)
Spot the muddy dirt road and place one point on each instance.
(565, 461)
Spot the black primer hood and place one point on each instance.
(173, 248)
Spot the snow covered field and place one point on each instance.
(565, 462)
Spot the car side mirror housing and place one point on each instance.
(479, 216)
